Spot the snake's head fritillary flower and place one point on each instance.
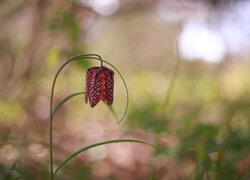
(99, 85)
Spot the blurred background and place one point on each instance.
(197, 107)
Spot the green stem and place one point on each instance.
(51, 105)
(150, 172)
(103, 143)
(171, 84)
(80, 57)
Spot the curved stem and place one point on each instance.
(51, 105)
(80, 57)
(125, 85)
(103, 143)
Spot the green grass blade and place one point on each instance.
(79, 93)
(103, 143)
(150, 173)
(172, 80)
(112, 110)
(64, 101)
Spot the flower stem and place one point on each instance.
(101, 62)
(80, 57)
(51, 106)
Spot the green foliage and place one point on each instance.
(14, 173)
(205, 127)
(147, 117)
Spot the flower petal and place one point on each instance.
(96, 87)
(108, 89)
(89, 76)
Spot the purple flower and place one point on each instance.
(99, 85)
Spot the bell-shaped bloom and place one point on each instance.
(99, 85)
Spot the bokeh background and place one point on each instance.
(196, 106)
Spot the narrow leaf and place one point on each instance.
(103, 143)
(112, 110)
(150, 173)
(79, 93)
(64, 101)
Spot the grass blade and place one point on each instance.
(103, 143)
(150, 173)
(79, 93)
(64, 101)
(112, 110)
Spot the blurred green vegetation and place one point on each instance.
(205, 125)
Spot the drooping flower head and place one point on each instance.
(99, 85)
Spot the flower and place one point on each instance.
(99, 85)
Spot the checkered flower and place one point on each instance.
(99, 85)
